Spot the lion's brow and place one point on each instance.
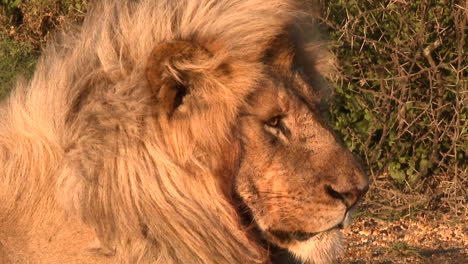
(247, 114)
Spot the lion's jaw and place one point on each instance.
(323, 247)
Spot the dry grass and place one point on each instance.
(32, 21)
(25, 27)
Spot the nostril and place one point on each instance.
(333, 193)
(349, 198)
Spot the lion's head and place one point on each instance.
(192, 131)
(295, 177)
(290, 173)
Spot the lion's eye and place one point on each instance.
(274, 122)
(276, 128)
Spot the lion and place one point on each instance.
(188, 131)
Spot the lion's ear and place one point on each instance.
(172, 70)
(288, 52)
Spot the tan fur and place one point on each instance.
(145, 137)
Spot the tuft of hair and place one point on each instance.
(321, 250)
(84, 133)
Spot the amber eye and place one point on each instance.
(274, 122)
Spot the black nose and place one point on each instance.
(349, 197)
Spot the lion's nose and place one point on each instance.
(349, 196)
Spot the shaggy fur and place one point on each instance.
(128, 134)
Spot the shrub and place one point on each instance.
(402, 94)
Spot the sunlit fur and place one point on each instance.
(93, 167)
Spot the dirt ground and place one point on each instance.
(423, 238)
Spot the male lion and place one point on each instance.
(183, 131)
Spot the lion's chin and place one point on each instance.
(322, 248)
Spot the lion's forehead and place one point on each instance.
(283, 93)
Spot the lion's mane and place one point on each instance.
(82, 134)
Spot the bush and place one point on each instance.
(402, 94)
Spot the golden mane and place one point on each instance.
(80, 135)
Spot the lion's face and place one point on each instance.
(295, 177)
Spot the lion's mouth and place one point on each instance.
(288, 236)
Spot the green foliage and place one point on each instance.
(10, 3)
(10, 9)
(402, 248)
(402, 100)
(24, 28)
(15, 58)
